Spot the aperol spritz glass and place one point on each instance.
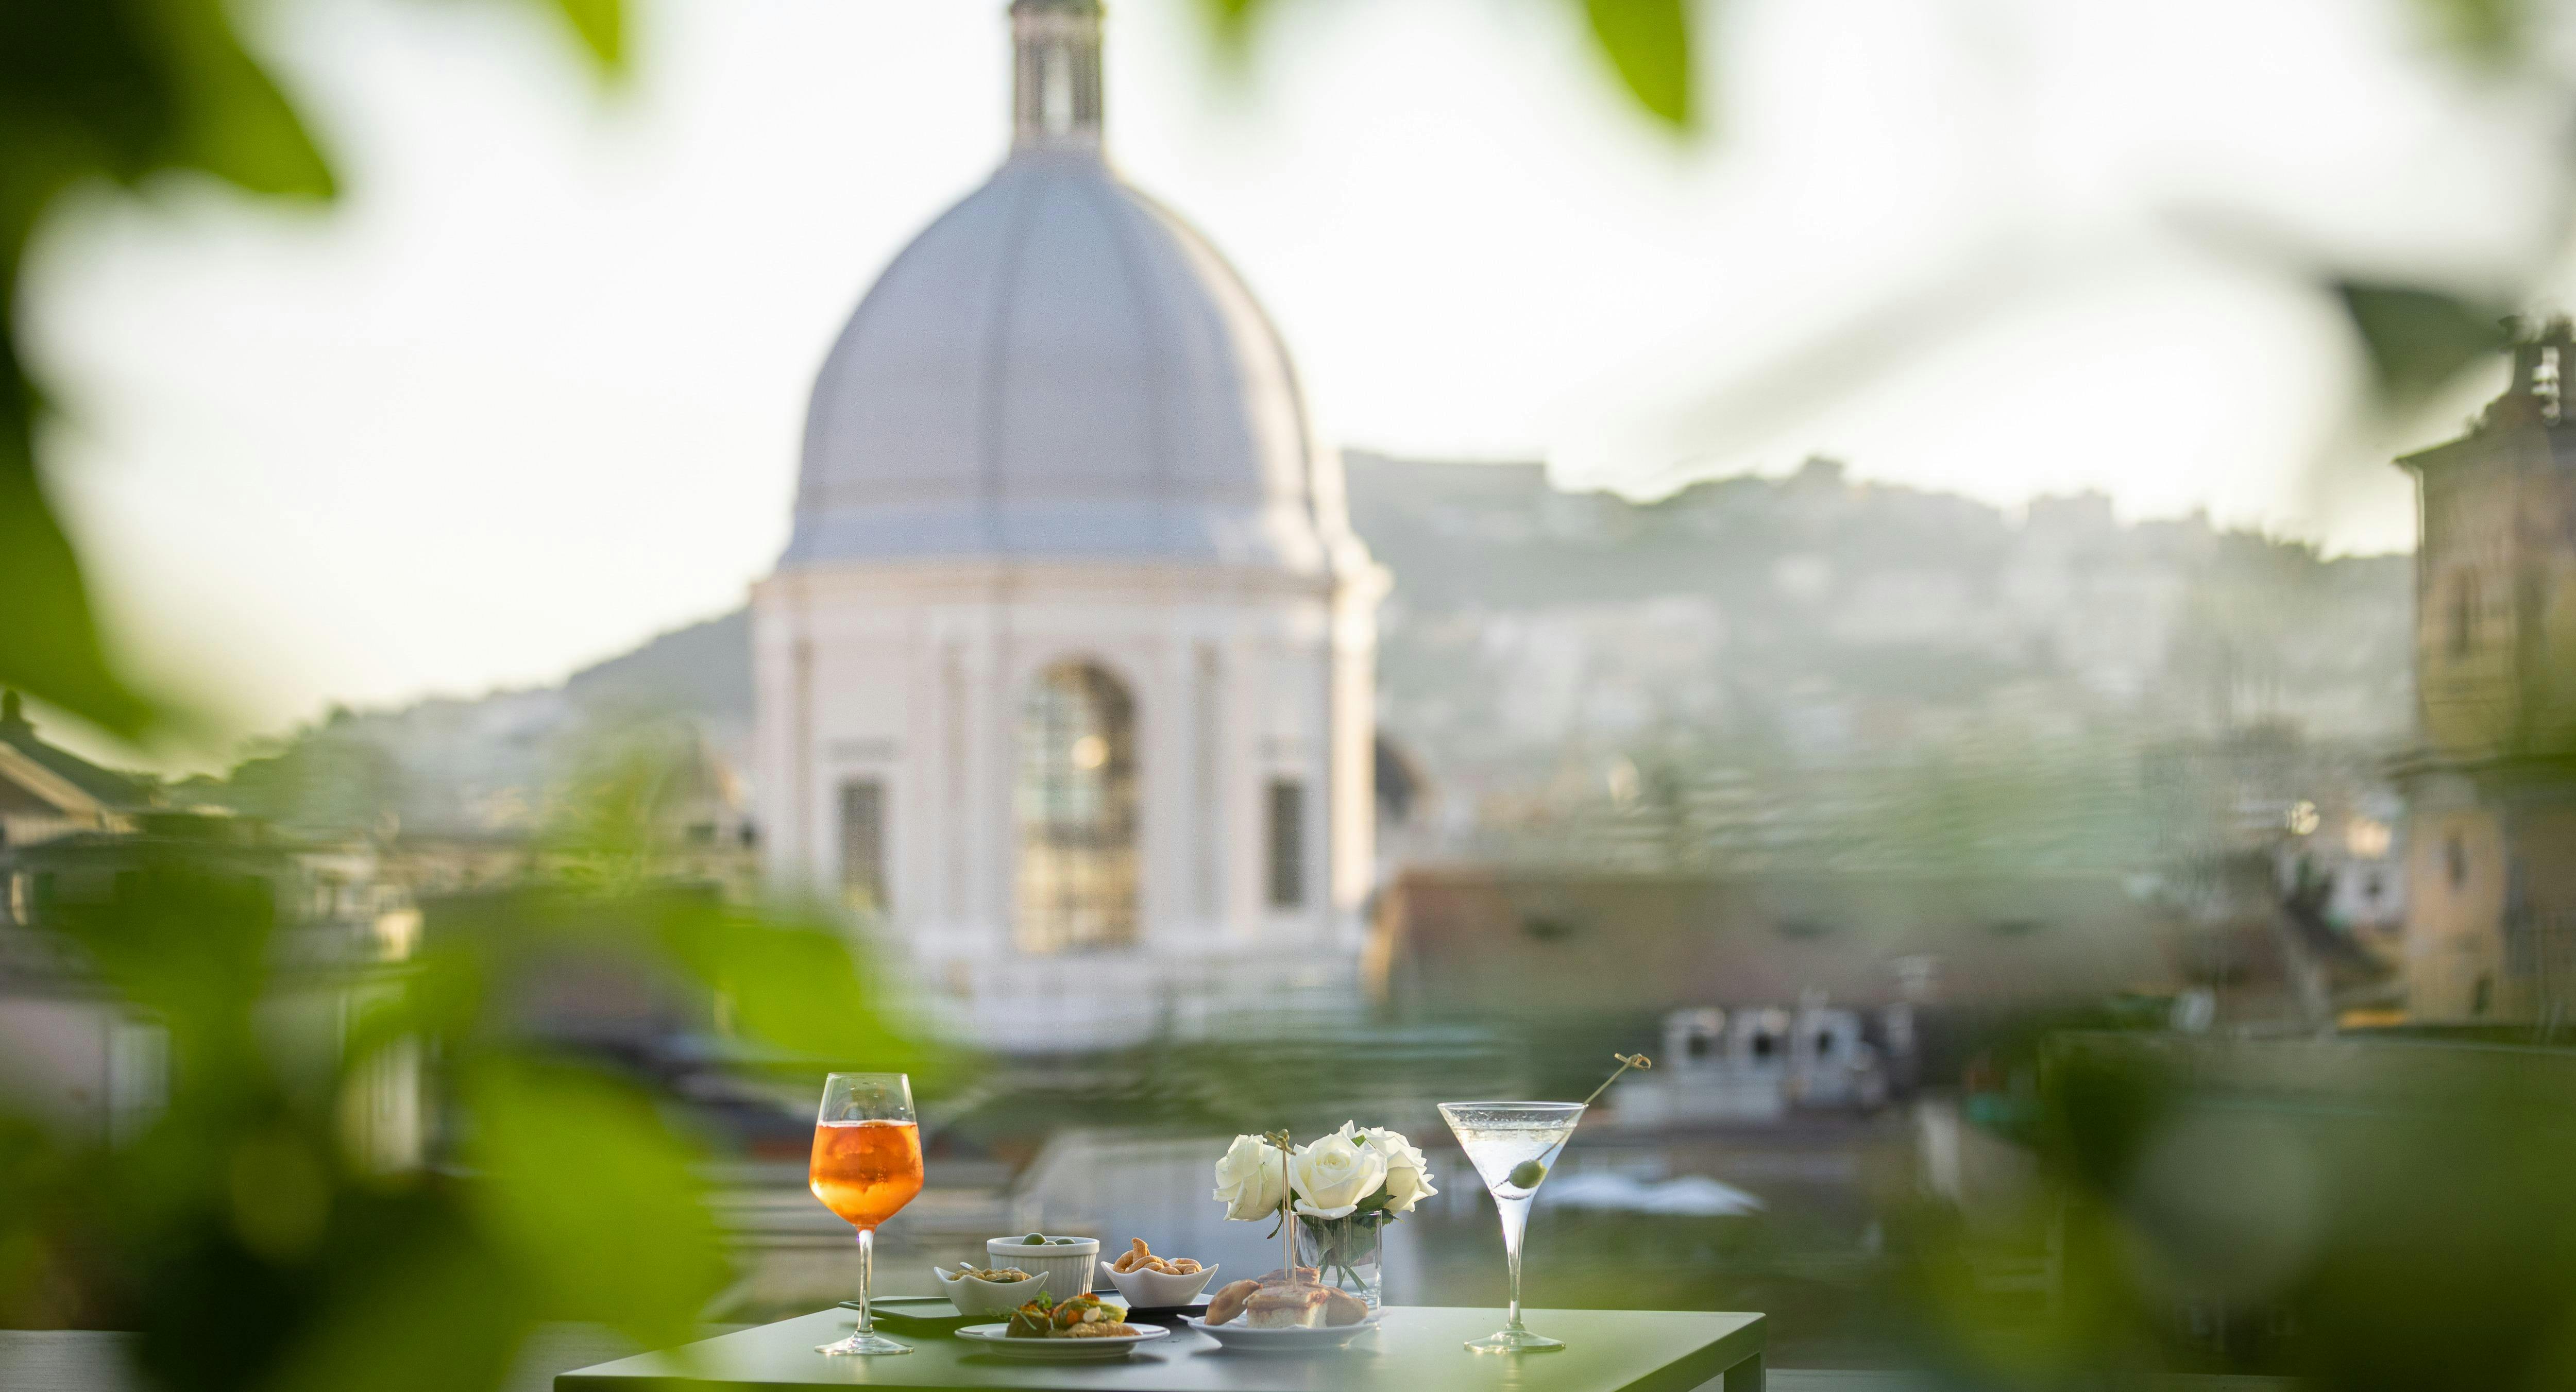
(867, 1166)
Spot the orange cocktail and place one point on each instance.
(867, 1165)
(866, 1171)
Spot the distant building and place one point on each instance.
(2492, 786)
(1547, 948)
(1066, 673)
(48, 791)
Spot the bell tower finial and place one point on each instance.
(1055, 75)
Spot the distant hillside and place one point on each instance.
(1537, 642)
(703, 669)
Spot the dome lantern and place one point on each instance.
(1055, 75)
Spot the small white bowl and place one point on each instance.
(1069, 1263)
(1158, 1290)
(973, 1295)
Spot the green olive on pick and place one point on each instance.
(1526, 1175)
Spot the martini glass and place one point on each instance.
(1513, 1145)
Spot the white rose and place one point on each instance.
(1250, 1179)
(1335, 1173)
(1408, 1175)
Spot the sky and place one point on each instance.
(531, 391)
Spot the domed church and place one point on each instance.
(1065, 677)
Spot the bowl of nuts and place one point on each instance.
(1156, 1283)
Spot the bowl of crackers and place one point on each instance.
(1153, 1282)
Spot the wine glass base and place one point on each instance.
(1515, 1341)
(864, 1343)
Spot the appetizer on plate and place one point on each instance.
(1082, 1317)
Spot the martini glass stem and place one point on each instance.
(1515, 1216)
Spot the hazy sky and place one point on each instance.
(532, 391)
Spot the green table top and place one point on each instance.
(1417, 1348)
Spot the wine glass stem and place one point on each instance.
(867, 1261)
(1515, 1228)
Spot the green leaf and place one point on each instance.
(2419, 339)
(602, 27)
(583, 1185)
(434, 1314)
(1648, 41)
(232, 121)
(49, 641)
(2486, 30)
(795, 986)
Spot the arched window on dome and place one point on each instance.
(1077, 811)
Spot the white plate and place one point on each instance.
(1245, 1339)
(994, 1338)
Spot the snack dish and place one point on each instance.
(1284, 1314)
(1139, 1257)
(1085, 1316)
(1157, 1283)
(1241, 1337)
(1083, 1327)
(1067, 1262)
(976, 1291)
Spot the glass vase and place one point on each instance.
(1344, 1251)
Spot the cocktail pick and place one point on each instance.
(1626, 1062)
(1529, 1174)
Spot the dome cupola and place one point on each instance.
(1061, 368)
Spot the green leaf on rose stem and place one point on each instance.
(1649, 43)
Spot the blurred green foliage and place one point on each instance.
(291, 1220)
(2357, 1214)
(123, 91)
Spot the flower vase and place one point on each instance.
(1345, 1251)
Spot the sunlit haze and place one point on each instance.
(533, 390)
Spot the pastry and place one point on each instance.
(1228, 1301)
(1342, 1307)
(1286, 1307)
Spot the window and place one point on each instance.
(2464, 614)
(863, 861)
(1077, 809)
(1287, 843)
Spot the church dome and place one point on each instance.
(1059, 367)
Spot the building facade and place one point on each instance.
(2492, 785)
(1065, 677)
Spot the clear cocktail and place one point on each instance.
(1513, 1145)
